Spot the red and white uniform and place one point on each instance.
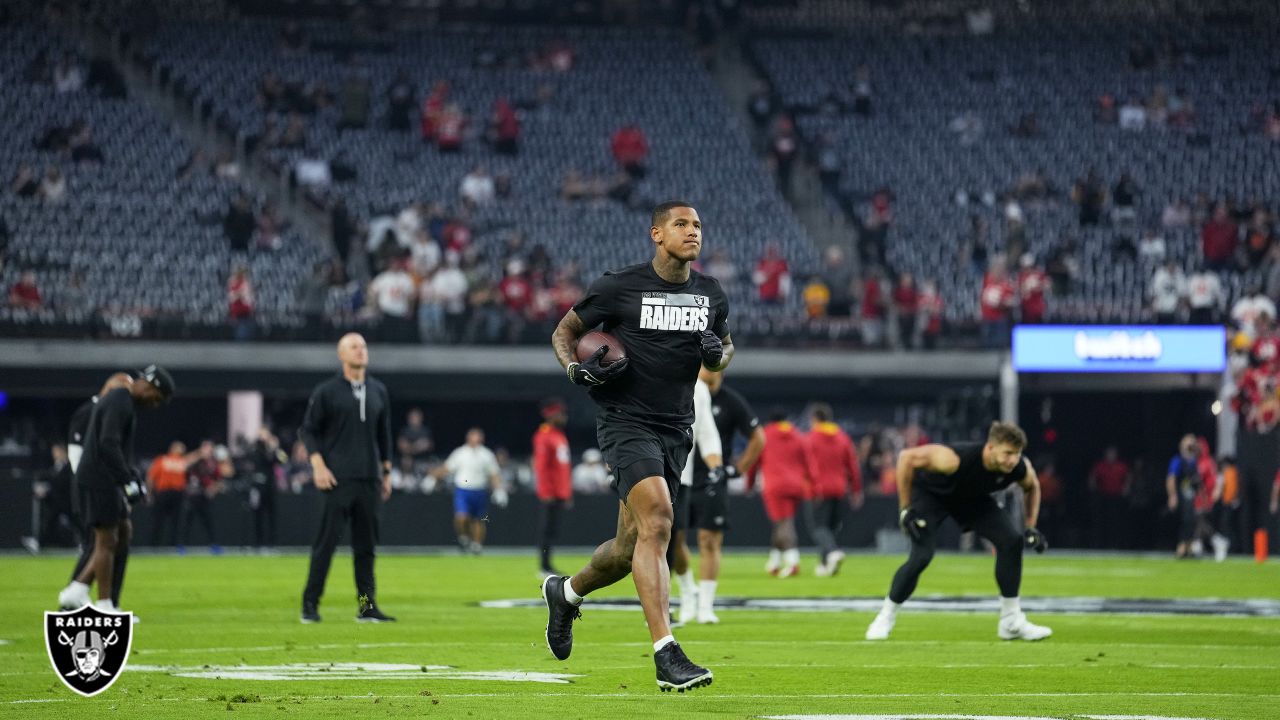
(1032, 284)
(772, 277)
(552, 465)
(785, 470)
(834, 461)
(1266, 352)
(1208, 470)
(996, 299)
(1256, 400)
(240, 297)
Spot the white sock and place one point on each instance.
(569, 594)
(775, 557)
(1009, 606)
(706, 595)
(78, 586)
(687, 584)
(890, 608)
(663, 642)
(791, 557)
(105, 604)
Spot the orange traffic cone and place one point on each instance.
(1260, 543)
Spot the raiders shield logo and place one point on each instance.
(88, 647)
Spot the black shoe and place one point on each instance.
(677, 672)
(310, 614)
(560, 616)
(371, 614)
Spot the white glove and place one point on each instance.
(500, 497)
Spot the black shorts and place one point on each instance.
(966, 511)
(829, 512)
(634, 451)
(680, 506)
(709, 507)
(103, 506)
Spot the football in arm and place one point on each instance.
(588, 345)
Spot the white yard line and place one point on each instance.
(704, 696)
(688, 641)
(710, 695)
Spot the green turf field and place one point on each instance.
(242, 611)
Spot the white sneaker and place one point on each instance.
(772, 567)
(880, 627)
(688, 608)
(708, 618)
(822, 571)
(789, 571)
(833, 562)
(1016, 626)
(1221, 546)
(73, 599)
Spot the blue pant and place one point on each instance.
(472, 503)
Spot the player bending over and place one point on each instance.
(940, 481)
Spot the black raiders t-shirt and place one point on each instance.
(108, 443)
(733, 416)
(658, 322)
(971, 479)
(80, 422)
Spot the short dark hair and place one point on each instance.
(821, 412)
(777, 414)
(1003, 433)
(663, 211)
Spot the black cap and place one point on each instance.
(160, 378)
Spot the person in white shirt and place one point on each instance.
(409, 223)
(1168, 290)
(706, 442)
(1249, 309)
(1205, 296)
(394, 293)
(449, 288)
(68, 77)
(478, 187)
(425, 253)
(590, 476)
(475, 475)
(1133, 116)
(1151, 249)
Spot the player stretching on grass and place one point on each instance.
(940, 481)
(672, 321)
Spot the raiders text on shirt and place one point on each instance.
(674, 311)
(658, 324)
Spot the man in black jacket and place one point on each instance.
(347, 431)
(76, 594)
(107, 478)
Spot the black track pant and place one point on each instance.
(825, 517)
(548, 529)
(120, 562)
(354, 503)
(1258, 462)
(981, 515)
(199, 506)
(167, 510)
(264, 519)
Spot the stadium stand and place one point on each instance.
(126, 241)
(964, 121)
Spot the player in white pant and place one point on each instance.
(706, 443)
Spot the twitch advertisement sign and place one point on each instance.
(1119, 348)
